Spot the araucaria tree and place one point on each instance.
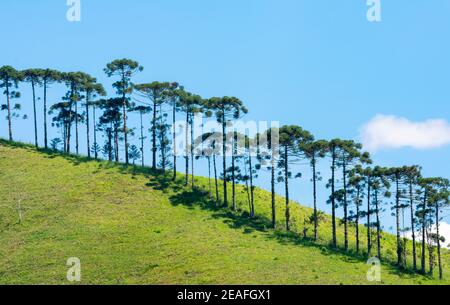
(273, 153)
(155, 92)
(142, 110)
(412, 176)
(380, 189)
(92, 90)
(435, 196)
(173, 95)
(9, 81)
(34, 76)
(64, 119)
(125, 69)
(399, 177)
(49, 77)
(357, 185)
(190, 104)
(291, 139)
(314, 151)
(441, 201)
(74, 81)
(348, 154)
(333, 149)
(111, 125)
(225, 109)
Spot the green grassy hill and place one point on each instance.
(131, 226)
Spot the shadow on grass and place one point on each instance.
(182, 195)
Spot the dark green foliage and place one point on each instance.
(125, 69)
(9, 81)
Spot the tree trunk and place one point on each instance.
(8, 99)
(88, 130)
(411, 197)
(174, 138)
(397, 218)
(247, 188)
(344, 168)
(64, 137)
(154, 148)
(116, 141)
(209, 175)
(272, 186)
(142, 139)
(233, 169)
(215, 179)
(369, 237)
(69, 128)
(430, 251)
(125, 130)
(377, 211)
(438, 241)
(424, 232)
(333, 202)
(95, 134)
(224, 159)
(286, 184)
(358, 194)
(76, 129)
(110, 145)
(35, 115)
(316, 225)
(45, 115)
(192, 154)
(252, 191)
(162, 138)
(187, 148)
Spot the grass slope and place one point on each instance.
(129, 226)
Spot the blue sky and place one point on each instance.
(316, 63)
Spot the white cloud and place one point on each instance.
(444, 230)
(392, 132)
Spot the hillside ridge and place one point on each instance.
(130, 225)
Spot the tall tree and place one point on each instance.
(380, 186)
(357, 185)
(111, 123)
(399, 176)
(91, 89)
(74, 81)
(442, 200)
(155, 92)
(291, 138)
(315, 151)
(211, 141)
(9, 80)
(349, 154)
(273, 143)
(249, 146)
(95, 147)
(64, 119)
(125, 69)
(173, 95)
(142, 110)
(368, 174)
(423, 209)
(225, 109)
(233, 173)
(34, 76)
(49, 77)
(333, 149)
(190, 104)
(413, 175)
